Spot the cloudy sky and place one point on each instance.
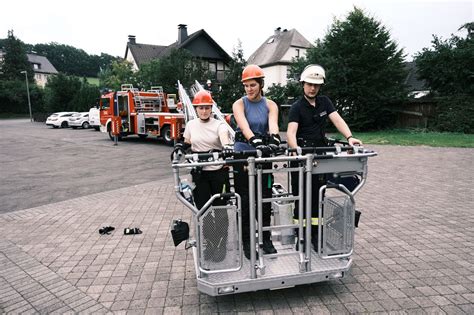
(104, 25)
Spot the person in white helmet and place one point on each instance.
(208, 86)
(307, 122)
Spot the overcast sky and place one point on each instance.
(104, 25)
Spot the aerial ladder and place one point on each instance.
(188, 108)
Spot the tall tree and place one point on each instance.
(60, 91)
(85, 97)
(448, 66)
(101, 62)
(119, 72)
(65, 59)
(364, 71)
(166, 71)
(73, 61)
(15, 60)
(13, 91)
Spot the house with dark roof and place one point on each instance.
(42, 68)
(417, 88)
(275, 54)
(199, 44)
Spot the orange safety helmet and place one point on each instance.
(203, 98)
(252, 72)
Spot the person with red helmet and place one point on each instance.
(206, 134)
(257, 128)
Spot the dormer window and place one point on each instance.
(36, 66)
(271, 40)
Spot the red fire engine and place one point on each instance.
(142, 113)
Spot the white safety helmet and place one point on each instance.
(313, 74)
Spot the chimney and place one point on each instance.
(182, 33)
(131, 39)
(277, 31)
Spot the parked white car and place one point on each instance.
(94, 118)
(59, 119)
(79, 120)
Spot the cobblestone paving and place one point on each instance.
(414, 250)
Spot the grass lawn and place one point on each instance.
(93, 81)
(415, 137)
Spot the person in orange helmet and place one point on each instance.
(206, 134)
(257, 121)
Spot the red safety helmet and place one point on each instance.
(203, 98)
(252, 72)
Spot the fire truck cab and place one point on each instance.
(142, 113)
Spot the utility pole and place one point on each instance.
(28, 92)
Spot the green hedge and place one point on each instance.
(454, 114)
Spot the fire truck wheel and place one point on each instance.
(166, 134)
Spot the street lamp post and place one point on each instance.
(28, 92)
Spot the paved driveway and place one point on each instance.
(414, 245)
(40, 165)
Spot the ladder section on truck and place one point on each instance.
(127, 87)
(189, 112)
(152, 100)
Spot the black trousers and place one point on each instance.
(215, 223)
(241, 180)
(209, 183)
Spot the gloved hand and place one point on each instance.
(275, 139)
(179, 150)
(274, 142)
(256, 141)
(266, 150)
(227, 150)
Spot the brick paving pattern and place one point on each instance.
(414, 250)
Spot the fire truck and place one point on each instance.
(143, 113)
